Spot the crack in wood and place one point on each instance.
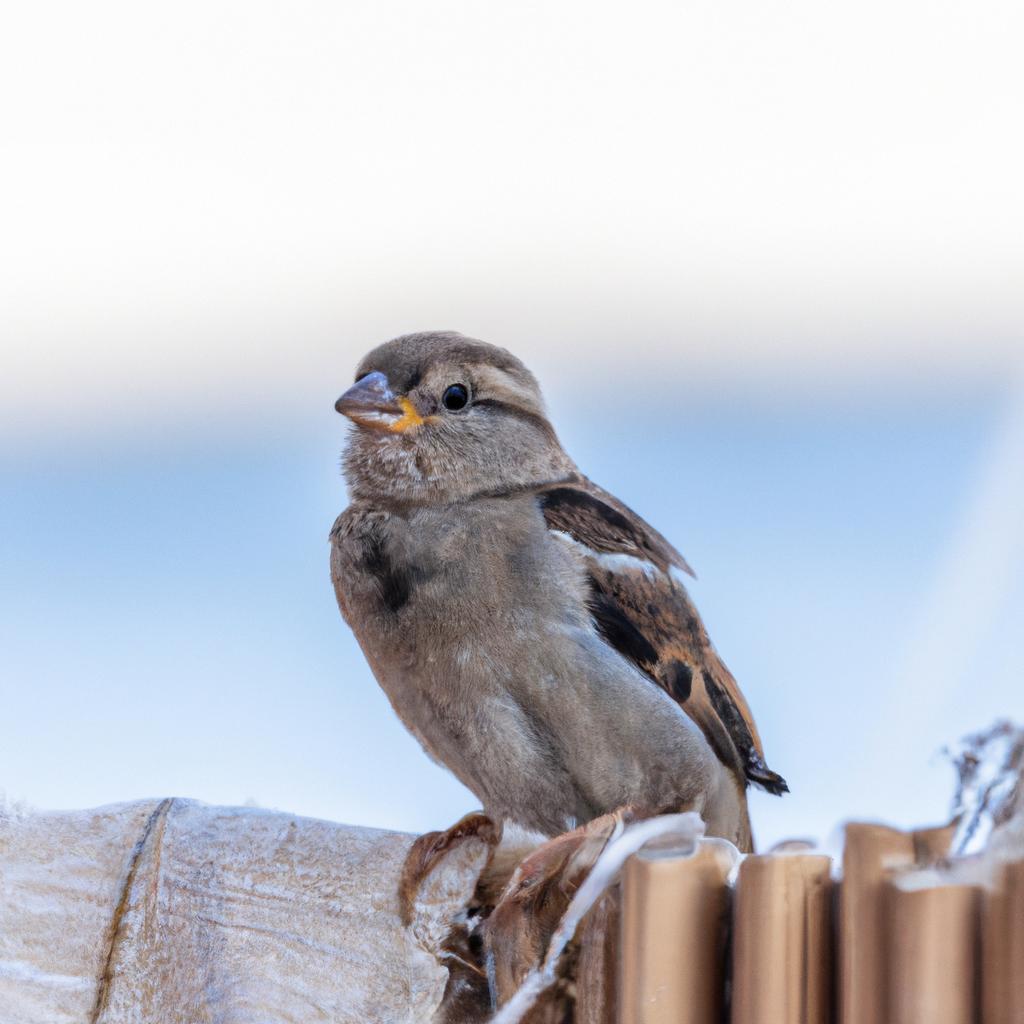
(106, 976)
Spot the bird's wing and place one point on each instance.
(642, 609)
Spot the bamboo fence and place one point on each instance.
(173, 912)
(907, 936)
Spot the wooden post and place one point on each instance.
(933, 958)
(1003, 947)
(782, 940)
(674, 923)
(869, 853)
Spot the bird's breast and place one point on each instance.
(462, 593)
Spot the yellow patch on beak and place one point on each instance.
(410, 418)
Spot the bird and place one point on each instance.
(533, 632)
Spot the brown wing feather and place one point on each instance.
(596, 518)
(649, 618)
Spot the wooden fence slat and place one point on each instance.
(869, 853)
(1013, 880)
(674, 923)
(1003, 947)
(933, 959)
(782, 940)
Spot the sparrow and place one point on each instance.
(531, 631)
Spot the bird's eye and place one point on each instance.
(455, 397)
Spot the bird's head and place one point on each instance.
(440, 418)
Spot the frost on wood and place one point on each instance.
(175, 912)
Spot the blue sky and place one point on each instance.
(168, 624)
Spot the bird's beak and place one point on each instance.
(370, 402)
